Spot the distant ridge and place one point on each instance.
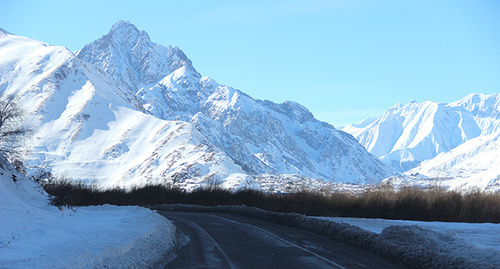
(404, 136)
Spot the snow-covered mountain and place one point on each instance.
(260, 135)
(406, 135)
(474, 164)
(128, 55)
(125, 111)
(89, 128)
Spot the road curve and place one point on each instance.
(224, 240)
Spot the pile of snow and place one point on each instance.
(482, 235)
(451, 244)
(36, 235)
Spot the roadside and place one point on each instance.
(485, 236)
(411, 246)
(34, 234)
(225, 240)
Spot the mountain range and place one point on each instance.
(473, 165)
(125, 111)
(406, 135)
(453, 145)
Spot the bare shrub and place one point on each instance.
(407, 203)
(12, 130)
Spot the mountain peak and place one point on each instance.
(416, 132)
(395, 107)
(123, 25)
(480, 104)
(126, 34)
(128, 55)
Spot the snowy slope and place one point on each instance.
(260, 136)
(36, 235)
(88, 127)
(474, 164)
(406, 135)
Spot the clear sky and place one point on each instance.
(344, 60)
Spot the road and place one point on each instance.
(223, 240)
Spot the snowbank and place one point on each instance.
(446, 243)
(36, 235)
(481, 235)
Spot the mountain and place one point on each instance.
(125, 111)
(128, 55)
(406, 135)
(262, 136)
(475, 164)
(88, 126)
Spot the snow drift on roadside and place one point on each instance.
(34, 234)
(477, 242)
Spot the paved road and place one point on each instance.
(222, 240)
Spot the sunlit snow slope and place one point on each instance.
(406, 135)
(474, 164)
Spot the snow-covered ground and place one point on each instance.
(290, 183)
(36, 235)
(485, 236)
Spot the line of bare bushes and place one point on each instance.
(407, 203)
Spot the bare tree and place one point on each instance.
(12, 128)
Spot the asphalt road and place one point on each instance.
(223, 240)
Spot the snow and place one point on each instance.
(239, 181)
(469, 241)
(454, 146)
(127, 112)
(36, 235)
(482, 235)
(406, 135)
(89, 128)
(473, 164)
(239, 120)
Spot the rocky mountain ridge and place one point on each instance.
(125, 111)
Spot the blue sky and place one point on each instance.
(343, 60)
